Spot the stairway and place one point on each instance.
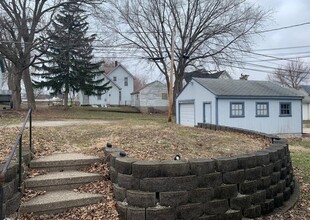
(61, 178)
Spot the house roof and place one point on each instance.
(138, 90)
(306, 88)
(202, 73)
(120, 65)
(246, 88)
(105, 75)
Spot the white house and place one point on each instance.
(5, 94)
(121, 81)
(255, 105)
(305, 90)
(152, 97)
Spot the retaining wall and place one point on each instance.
(248, 185)
(11, 192)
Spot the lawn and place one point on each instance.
(143, 136)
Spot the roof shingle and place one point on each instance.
(246, 88)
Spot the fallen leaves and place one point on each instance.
(105, 210)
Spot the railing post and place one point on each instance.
(30, 131)
(20, 158)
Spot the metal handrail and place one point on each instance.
(18, 143)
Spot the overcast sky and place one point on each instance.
(285, 13)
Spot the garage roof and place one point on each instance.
(246, 88)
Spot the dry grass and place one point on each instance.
(147, 140)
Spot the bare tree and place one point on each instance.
(291, 75)
(21, 21)
(140, 81)
(206, 30)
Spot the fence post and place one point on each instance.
(30, 131)
(20, 158)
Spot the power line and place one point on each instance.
(282, 28)
(282, 48)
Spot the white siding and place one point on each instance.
(274, 124)
(220, 111)
(152, 95)
(195, 92)
(120, 73)
(111, 97)
(306, 111)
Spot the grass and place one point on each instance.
(142, 135)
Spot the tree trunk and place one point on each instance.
(66, 94)
(178, 86)
(14, 86)
(29, 89)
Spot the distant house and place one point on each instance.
(255, 105)
(153, 97)
(305, 90)
(5, 94)
(121, 81)
(203, 73)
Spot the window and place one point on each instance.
(262, 109)
(236, 109)
(98, 97)
(164, 96)
(285, 109)
(126, 81)
(114, 78)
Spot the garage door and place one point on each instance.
(187, 114)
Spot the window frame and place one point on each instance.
(125, 81)
(114, 78)
(242, 109)
(164, 96)
(289, 109)
(267, 109)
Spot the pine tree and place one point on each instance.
(67, 64)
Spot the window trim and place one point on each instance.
(261, 103)
(290, 109)
(243, 109)
(164, 96)
(125, 81)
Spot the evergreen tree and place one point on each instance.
(67, 65)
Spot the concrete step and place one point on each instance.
(59, 201)
(61, 180)
(64, 161)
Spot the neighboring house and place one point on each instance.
(121, 81)
(305, 90)
(203, 73)
(5, 94)
(254, 105)
(153, 97)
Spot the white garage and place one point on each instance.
(254, 105)
(187, 113)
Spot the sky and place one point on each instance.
(284, 13)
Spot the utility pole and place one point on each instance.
(171, 77)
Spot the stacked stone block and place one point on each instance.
(243, 186)
(9, 187)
